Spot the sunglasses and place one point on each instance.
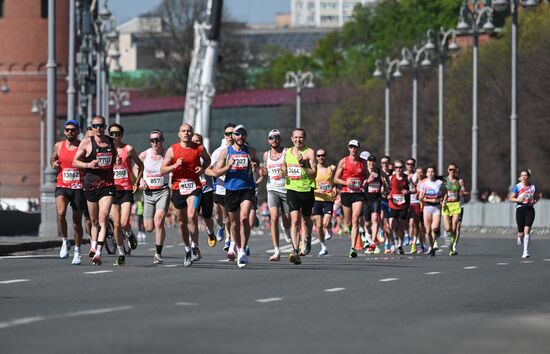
(115, 133)
(384, 162)
(154, 140)
(227, 133)
(321, 155)
(274, 138)
(451, 169)
(98, 126)
(70, 130)
(410, 163)
(398, 167)
(237, 134)
(353, 147)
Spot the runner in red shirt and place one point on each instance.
(398, 202)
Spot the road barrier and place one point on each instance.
(502, 215)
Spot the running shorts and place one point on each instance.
(451, 208)
(74, 196)
(277, 199)
(385, 208)
(525, 216)
(399, 214)
(414, 211)
(300, 201)
(123, 196)
(432, 209)
(219, 199)
(369, 207)
(154, 200)
(207, 205)
(233, 199)
(180, 201)
(322, 208)
(94, 195)
(348, 199)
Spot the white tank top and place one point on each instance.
(275, 182)
(151, 173)
(413, 182)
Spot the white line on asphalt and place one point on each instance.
(151, 249)
(13, 281)
(186, 304)
(270, 299)
(169, 246)
(526, 262)
(502, 264)
(168, 265)
(470, 267)
(333, 290)
(21, 321)
(99, 272)
(546, 260)
(98, 311)
(288, 248)
(432, 273)
(388, 279)
(32, 256)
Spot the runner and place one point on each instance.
(300, 169)
(325, 192)
(156, 194)
(421, 231)
(398, 202)
(372, 206)
(96, 155)
(276, 192)
(351, 174)
(125, 189)
(207, 199)
(414, 207)
(525, 195)
(238, 162)
(385, 230)
(452, 209)
(183, 160)
(68, 189)
(431, 194)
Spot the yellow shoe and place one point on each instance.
(413, 248)
(212, 240)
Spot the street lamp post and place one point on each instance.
(409, 57)
(39, 107)
(119, 99)
(105, 30)
(443, 48)
(501, 5)
(299, 80)
(475, 13)
(71, 91)
(387, 72)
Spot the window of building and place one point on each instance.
(44, 8)
(311, 5)
(310, 19)
(1, 8)
(299, 5)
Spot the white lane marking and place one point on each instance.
(470, 267)
(169, 246)
(13, 281)
(269, 299)
(334, 290)
(31, 256)
(388, 279)
(288, 248)
(186, 304)
(526, 262)
(432, 273)
(99, 272)
(21, 321)
(546, 260)
(502, 264)
(151, 249)
(98, 311)
(445, 246)
(168, 265)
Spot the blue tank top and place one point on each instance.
(239, 176)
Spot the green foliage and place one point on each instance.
(275, 76)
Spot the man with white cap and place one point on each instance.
(351, 174)
(276, 192)
(238, 162)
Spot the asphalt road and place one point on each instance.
(485, 300)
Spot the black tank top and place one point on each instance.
(102, 176)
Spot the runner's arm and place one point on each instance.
(81, 154)
(54, 161)
(338, 174)
(167, 165)
(220, 167)
(139, 164)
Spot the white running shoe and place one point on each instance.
(525, 255)
(64, 251)
(243, 260)
(519, 241)
(287, 236)
(328, 235)
(77, 258)
(157, 259)
(323, 252)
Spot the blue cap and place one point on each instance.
(72, 122)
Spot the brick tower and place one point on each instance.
(23, 57)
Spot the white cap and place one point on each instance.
(239, 127)
(353, 143)
(274, 132)
(364, 155)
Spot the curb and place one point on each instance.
(6, 250)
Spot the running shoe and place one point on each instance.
(212, 240)
(188, 260)
(231, 256)
(352, 253)
(96, 260)
(275, 258)
(452, 239)
(423, 248)
(219, 233)
(91, 254)
(64, 251)
(436, 245)
(387, 249)
(377, 250)
(247, 250)
(132, 240)
(77, 259)
(226, 245)
(157, 259)
(196, 254)
(307, 246)
(407, 240)
(323, 252)
(294, 257)
(121, 259)
(519, 241)
(392, 249)
(525, 255)
(432, 252)
(413, 248)
(328, 235)
(287, 237)
(243, 260)
(452, 253)
(400, 250)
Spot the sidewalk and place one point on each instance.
(12, 244)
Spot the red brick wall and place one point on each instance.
(23, 57)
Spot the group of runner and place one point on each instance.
(394, 204)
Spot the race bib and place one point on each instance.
(324, 187)
(274, 172)
(240, 162)
(373, 187)
(187, 186)
(104, 159)
(452, 196)
(526, 198)
(154, 180)
(203, 180)
(71, 175)
(120, 173)
(398, 199)
(294, 171)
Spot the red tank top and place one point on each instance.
(67, 175)
(184, 177)
(354, 171)
(398, 200)
(122, 173)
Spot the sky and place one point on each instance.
(249, 11)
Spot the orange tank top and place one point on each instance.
(184, 177)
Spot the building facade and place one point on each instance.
(323, 13)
